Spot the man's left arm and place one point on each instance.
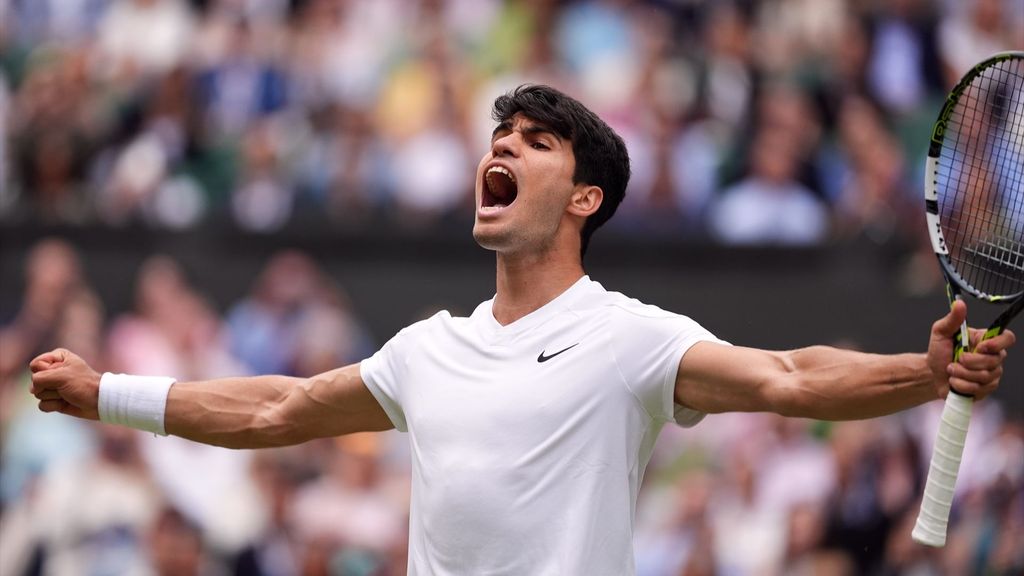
(833, 384)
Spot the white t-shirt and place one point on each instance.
(529, 441)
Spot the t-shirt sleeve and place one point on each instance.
(649, 345)
(383, 373)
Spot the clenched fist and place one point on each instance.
(65, 383)
(979, 370)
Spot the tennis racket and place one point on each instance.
(974, 204)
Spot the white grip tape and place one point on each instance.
(933, 518)
(134, 401)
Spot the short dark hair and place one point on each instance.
(601, 156)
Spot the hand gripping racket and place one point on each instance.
(974, 203)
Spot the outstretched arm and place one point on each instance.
(833, 384)
(252, 412)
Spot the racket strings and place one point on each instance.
(981, 180)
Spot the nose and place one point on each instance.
(506, 145)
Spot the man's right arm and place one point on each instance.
(249, 412)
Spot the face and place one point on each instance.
(523, 185)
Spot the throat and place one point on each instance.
(523, 289)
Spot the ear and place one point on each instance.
(585, 200)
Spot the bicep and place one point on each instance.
(333, 403)
(714, 378)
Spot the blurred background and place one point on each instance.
(223, 187)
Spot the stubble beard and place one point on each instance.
(493, 240)
(512, 240)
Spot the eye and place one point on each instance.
(540, 146)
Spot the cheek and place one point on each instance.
(480, 165)
(480, 172)
(553, 176)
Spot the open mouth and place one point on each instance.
(500, 188)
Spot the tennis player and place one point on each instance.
(532, 420)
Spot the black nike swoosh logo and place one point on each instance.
(543, 358)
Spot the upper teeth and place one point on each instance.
(501, 170)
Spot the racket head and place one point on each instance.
(974, 181)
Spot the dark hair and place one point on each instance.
(601, 156)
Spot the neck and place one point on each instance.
(527, 282)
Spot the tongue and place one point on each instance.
(503, 189)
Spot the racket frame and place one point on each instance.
(932, 522)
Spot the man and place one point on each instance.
(532, 420)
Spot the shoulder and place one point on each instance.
(440, 320)
(618, 307)
(631, 322)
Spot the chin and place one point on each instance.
(484, 239)
(491, 237)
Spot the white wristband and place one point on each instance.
(134, 401)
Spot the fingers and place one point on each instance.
(62, 407)
(48, 360)
(972, 388)
(982, 361)
(53, 405)
(948, 325)
(977, 374)
(47, 395)
(49, 379)
(996, 344)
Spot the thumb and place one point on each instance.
(948, 325)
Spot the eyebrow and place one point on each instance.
(529, 130)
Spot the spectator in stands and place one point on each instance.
(263, 198)
(264, 326)
(867, 177)
(770, 206)
(355, 504)
(49, 143)
(902, 69)
(341, 167)
(974, 30)
(241, 86)
(53, 276)
(156, 175)
(175, 546)
(67, 22)
(271, 547)
(31, 446)
(138, 39)
(104, 533)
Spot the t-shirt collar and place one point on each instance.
(483, 316)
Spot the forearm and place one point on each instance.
(265, 411)
(817, 382)
(833, 384)
(233, 412)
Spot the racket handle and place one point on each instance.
(933, 518)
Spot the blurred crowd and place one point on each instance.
(748, 121)
(788, 122)
(738, 495)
